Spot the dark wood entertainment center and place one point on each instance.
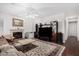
(49, 32)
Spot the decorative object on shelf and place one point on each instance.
(17, 22)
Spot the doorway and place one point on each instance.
(72, 29)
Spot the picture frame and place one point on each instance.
(17, 22)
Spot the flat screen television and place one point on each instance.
(45, 32)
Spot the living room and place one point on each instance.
(23, 23)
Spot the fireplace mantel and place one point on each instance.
(17, 30)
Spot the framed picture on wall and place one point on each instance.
(17, 22)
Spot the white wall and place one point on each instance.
(7, 23)
(78, 28)
(1, 29)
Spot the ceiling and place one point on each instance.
(42, 9)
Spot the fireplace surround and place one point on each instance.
(17, 33)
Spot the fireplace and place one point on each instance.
(17, 35)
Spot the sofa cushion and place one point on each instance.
(3, 41)
(9, 37)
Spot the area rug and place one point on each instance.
(35, 47)
(44, 48)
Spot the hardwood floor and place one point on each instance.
(72, 47)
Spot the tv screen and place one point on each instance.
(45, 32)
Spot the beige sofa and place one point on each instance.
(9, 37)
